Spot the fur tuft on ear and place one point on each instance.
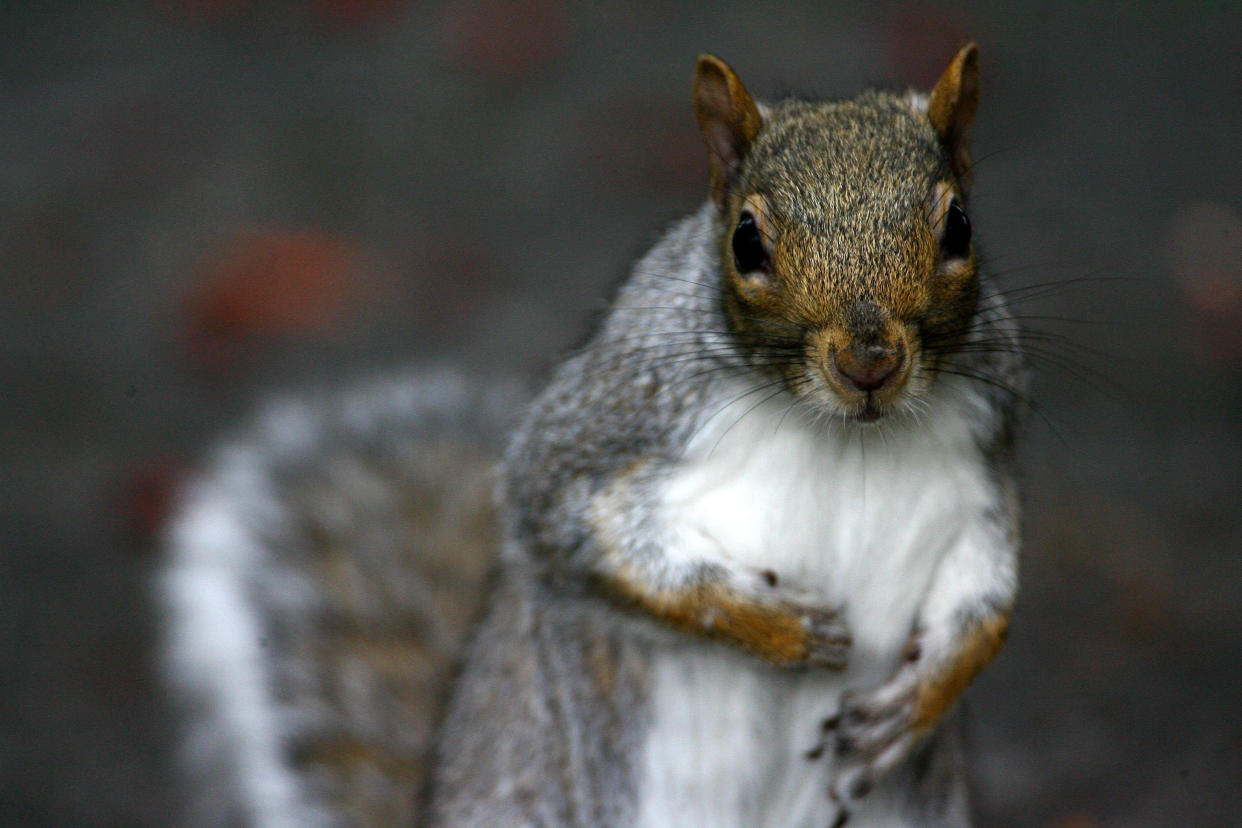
(951, 108)
(728, 119)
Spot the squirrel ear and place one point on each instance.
(728, 119)
(952, 106)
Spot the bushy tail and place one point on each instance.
(321, 575)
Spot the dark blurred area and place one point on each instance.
(205, 201)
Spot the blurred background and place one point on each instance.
(206, 201)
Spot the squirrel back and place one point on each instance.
(323, 571)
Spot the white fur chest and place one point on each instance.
(859, 516)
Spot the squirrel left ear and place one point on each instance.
(951, 108)
(728, 119)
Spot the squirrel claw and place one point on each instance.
(843, 813)
(829, 640)
(872, 733)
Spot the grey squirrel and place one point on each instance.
(756, 537)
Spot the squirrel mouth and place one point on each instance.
(870, 412)
(864, 407)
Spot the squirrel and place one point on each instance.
(755, 537)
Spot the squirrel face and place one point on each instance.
(844, 242)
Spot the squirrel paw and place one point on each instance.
(871, 733)
(827, 637)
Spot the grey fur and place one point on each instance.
(542, 729)
(368, 567)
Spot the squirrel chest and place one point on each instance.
(861, 517)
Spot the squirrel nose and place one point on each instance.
(867, 367)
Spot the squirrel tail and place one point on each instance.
(321, 575)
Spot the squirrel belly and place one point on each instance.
(858, 516)
(746, 763)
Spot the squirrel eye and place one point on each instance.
(748, 251)
(955, 242)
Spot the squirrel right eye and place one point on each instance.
(955, 243)
(749, 253)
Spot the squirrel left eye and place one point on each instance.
(955, 242)
(748, 251)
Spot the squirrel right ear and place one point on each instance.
(728, 119)
(951, 108)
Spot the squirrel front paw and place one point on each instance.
(785, 626)
(828, 639)
(871, 733)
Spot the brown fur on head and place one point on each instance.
(841, 232)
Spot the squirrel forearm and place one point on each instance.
(680, 579)
(975, 646)
(778, 631)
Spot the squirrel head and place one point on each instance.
(845, 247)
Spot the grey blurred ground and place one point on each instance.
(467, 179)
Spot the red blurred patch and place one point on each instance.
(271, 284)
(923, 38)
(145, 495)
(1203, 246)
(504, 40)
